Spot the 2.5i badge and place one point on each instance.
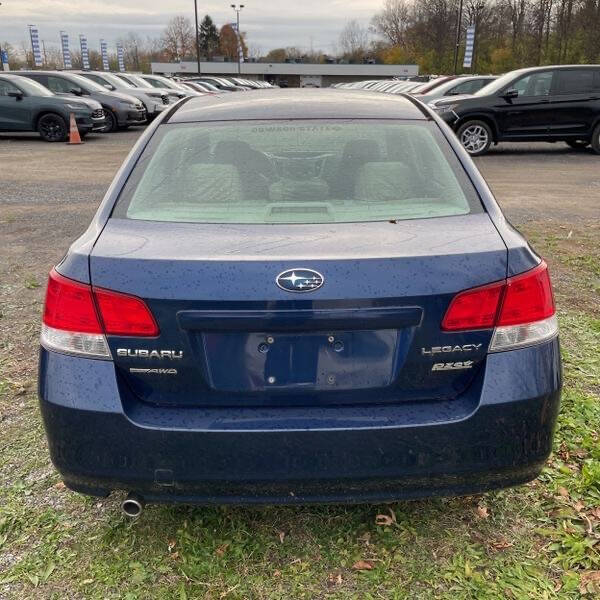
(453, 366)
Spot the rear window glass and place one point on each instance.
(297, 172)
(577, 81)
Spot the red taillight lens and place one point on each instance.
(70, 306)
(524, 298)
(125, 315)
(528, 298)
(474, 309)
(76, 307)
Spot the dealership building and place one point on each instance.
(291, 74)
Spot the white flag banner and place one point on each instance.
(64, 43)
(104, 54)
(469, 46)
(85, 54)
(121, 57)
(4, 60)
(35, 46)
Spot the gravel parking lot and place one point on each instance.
(536, 541)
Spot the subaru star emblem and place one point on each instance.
(299, 280)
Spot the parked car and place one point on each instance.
(175, 92)
(219, 82)
(203, 88)
(403, 87)
(402, 342)
(454, 87)
(154, 101)
(120, 110)
(158, 81)
(25, 105)
(553, 103)
(245, 82)
(431, 84)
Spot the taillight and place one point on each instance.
(77, 317)
(521, 309)
(125, 315)
(527, 297)
(476, 308)
(70, 305)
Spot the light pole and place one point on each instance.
(458, 26)
(197, 35)
(238, 9)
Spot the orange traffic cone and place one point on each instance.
(74, 137)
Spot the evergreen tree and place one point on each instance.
(209, 37)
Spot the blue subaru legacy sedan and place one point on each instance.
(298, 296)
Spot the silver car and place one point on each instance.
(161, 82)
(174, 92)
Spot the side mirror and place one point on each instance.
(17, 95)
(75, 91)
(110, 87)
(511, 93)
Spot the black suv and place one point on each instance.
(548, 104)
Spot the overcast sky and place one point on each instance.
(267, 23)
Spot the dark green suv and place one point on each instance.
(25, 105)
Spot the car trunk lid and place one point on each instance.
(230, 336)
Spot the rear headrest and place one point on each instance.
(383, 181)
(361, 149)
(228, 151)
(213, 183)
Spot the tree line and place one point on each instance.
(509, 34)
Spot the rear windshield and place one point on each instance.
(297, 172)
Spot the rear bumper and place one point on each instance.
(498, 435)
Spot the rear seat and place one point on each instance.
(212, 183)
(383, 182)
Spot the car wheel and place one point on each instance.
(52, 128)
(578, 144)
(596, 139)
(111, 122)
(475, 137)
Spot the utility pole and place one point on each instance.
(240, 48)
(457, 44)
(197, 35)
(2, 63)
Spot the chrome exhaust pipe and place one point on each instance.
(133, 505)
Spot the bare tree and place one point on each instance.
(354, 39)
(391, 22)
(134, 50)
(178, 38)
(255, 52)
